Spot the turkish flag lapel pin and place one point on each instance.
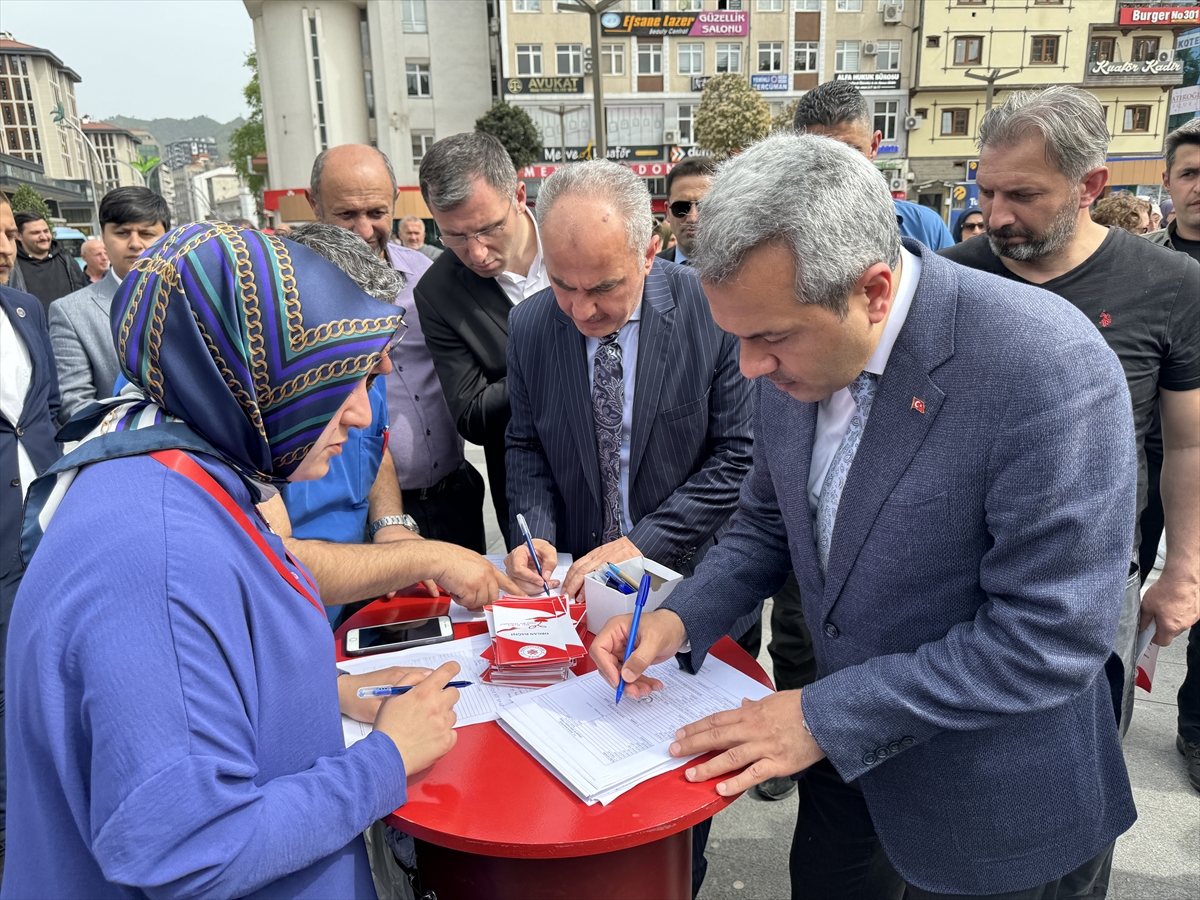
(919, 405)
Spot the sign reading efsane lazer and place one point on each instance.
(712, 23)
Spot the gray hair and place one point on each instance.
(352, 255)
(1187, 133)
(413, 219)
(604, 180)
(789, 190)
(831, 104)
(318, 169)
(451, 166)
(1070, 122)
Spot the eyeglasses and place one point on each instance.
(458, 241)
(974, 226)
(681, 209)
(397, 337)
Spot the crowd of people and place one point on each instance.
(948, 456)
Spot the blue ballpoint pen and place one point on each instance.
(642, 594)
(388, 690)
(529, 543)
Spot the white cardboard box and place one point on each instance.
(604, 602)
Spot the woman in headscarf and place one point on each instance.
(968, 225)
(173, 705)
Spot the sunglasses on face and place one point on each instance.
(681, 209)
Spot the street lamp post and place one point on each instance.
(59, 114)
(562, 112)
(595, 9)
(991, 78)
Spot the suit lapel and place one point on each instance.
(800, 430)
(488, 294)
(654, 338)
(23, 326)
(571, 357)
(103, 292)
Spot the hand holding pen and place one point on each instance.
(531, 561)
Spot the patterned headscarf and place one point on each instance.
(251, 340)
(236, 344)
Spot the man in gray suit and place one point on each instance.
(946, 460)
(131, 219)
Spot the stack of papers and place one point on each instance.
(600, 749)
(459, 613)
(478, 703)
(535, 640)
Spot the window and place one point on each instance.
(647, 5)
(968, 50)
(318, 86)
(806, 5)
(527, 5)
(804, 56)
(971, 2)
(691, 5)
(421, 142)
(770, 56)
(729, 58)
(845, 58)
(412, 15)
(1101, 50)
(418, 79)
(691, 59)
(954, 121)
(886, 112)
(1137, 118)
(529, 59)
(687, 116)
(888, 57)
(729, 4)
(649, 58)
(1043, 49)
(933, 41)
(1144, 49)
(569, 59)
(848, 6)
(612, 59)
(770, 5)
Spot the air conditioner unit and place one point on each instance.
(892, 13)
(587, 52)
(670, 137)
(870, 48)
(1166, 56)
(897, 182)
(587, 67)
(912, 123)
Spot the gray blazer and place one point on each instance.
(81, 334)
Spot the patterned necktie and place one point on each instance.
(608, 411)
(862, 389)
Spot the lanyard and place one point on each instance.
(189, 468)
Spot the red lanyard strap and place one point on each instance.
(189, 468)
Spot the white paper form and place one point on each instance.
(478, 703)
(600, 749)
(460, 613)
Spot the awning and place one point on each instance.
(1136, 170)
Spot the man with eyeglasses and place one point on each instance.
(471, 188)
(687, 183)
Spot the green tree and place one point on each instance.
(26, 199)
(250, 139)
(514, 129)
(731, 117)
(783, 121)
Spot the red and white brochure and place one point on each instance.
(533, 631)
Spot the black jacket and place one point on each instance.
(465, 321)
(55, 276)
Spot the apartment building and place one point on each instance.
(1121, 52)
(117, 150)
(160, 179)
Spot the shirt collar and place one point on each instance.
(535, 267)
(112, 273)
(910, 274)
(680, 256)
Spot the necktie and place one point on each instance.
(862, 389)
(608, 411)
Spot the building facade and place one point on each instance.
(117, 150)
(178, 154)
(395, 75)
(1121, 52)
(160, 179)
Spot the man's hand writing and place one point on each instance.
(520, 568)
(660, 635)
(364, 709)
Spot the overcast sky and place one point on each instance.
(144, 58)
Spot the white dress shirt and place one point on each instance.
(627, 338)
(518, 287)
(835, 411)
(15, 373)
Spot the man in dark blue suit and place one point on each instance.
(947, 462)
(28, 408)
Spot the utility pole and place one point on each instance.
(562, 112)
(991, 78)
(595, 9)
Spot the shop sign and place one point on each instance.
(642, 169)
(769, 82)
(1185, 100)
(675, 153)
(1159, 15)
(699, 81)
(871, 81)
(889, 148)
(618, 153)
(1189, 40)
(570, 84)
(1149, 67)
(711, 23)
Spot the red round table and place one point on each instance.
(491, 821)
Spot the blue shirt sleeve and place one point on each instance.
(923, 224)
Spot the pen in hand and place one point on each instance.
(529, 543)
(642, 594)
(389, 690)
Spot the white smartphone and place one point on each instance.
(398, 635)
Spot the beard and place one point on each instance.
(1037, 245)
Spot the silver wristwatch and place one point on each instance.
(406, 520)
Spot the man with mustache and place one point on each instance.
(1041, 165)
